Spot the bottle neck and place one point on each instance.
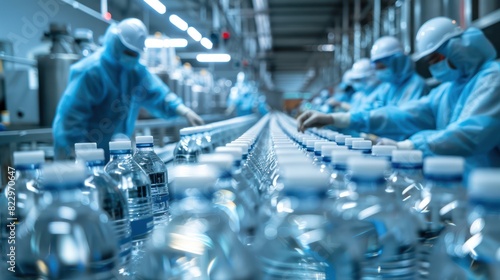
(303, 201)
(95, 166)
(33, 172)
(370, 185)
(120, 154)
(144, 148)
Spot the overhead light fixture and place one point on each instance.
(206, 43)
(194, 34)
(213, 57)
(326, 48)
(178, 22)
(157, 6)
(157, 43)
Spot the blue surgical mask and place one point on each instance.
(442, 71)
(129, 62)
(384, 75)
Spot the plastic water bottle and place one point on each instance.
(381, 231)
(383, 151)
(197, 243)
(21, 195)
(339, 182)
(364, 146)
(240, 204)
(110, 199)
(68, 239)
(206, 144)
(441, 204)
(283, 244)
(136, 186)
(317, 150)
(348, 141)
(474, 243)
(407, 179)
(340, 139)
(149, 161)
(187, 149)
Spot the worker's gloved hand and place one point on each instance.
(192, 118)
(316, 119)
(386, 141)
(405, 145)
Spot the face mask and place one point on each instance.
(128, 62)
(442, 71)
(384, 75)
(358, 86)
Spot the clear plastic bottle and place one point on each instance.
(188, 148)
(283, 244)
(474, 243)
(383, 234)
(111, 200)
(407, 178)
(22, 194)
(442, 203)
(339, 182)
(68, 239)
(198, 242)
(136, 186)
(149, 161)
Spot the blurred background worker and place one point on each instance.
(107, 89)
(364, 82)
(459, 117)
(343, 94)
(396, 71)
(242, 99)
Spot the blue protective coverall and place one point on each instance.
(461, 117)
(103, 98)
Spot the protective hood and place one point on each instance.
(114, 48)
(469, 52)
(401, 66)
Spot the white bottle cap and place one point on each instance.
(193, 176)
(120, 145)
(90, 155)
(367, 167)
(63, 173)
(303, 178)
(361, 145)
(222, 161)
(339, 157)
(144, 140)
(383, 150)
(326, 150)
(311, 143)
(485, 184)
(444, 166)
(29, 157)
(341, 138)
(405, 156)
(319, 145)
(85, 146)
(348, 141)
(236, 152)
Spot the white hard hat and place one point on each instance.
(361, 69)
(434, 33)
(132, 33)
(385, 47)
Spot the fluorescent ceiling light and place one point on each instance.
(213, 57)
(206, 43)
(178, 22)
(157, 43)
(157, 6)
(194, 34)
(326, 48)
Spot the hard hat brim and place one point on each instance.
(427, 52)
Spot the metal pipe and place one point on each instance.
(405, 22)
(466, 9)
(357, 30)
(376, 19)
(345, 35)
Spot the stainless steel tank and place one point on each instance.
(53, 74)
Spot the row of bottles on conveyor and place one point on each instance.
(256, 200)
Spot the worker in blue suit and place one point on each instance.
(460, 117)
(107, 89)
(396, 71)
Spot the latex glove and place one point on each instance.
(386, 141)
(405, 145)
(192, 118)
(312, 118)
